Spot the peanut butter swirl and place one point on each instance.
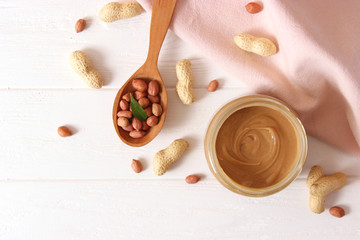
(257, 146)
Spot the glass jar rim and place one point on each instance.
(244, 102)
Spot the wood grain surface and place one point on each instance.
(82, 187)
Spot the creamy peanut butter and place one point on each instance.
(257, 146)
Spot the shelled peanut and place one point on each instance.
(147, 95)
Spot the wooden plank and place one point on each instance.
(82, 187)
(31, 149)
(145, 209)
(36, 48)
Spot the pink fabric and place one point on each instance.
(317, 67)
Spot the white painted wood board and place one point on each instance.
(156, 209)
(82, 187)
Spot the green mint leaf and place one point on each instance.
(137, 109)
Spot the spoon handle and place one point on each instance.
(162, 11)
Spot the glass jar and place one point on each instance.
(245, 102)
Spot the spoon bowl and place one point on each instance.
(147, 74)
(162, 12)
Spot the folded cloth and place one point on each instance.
(316, 69)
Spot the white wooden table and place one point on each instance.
(82, 187)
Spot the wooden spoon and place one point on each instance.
(162, 11)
